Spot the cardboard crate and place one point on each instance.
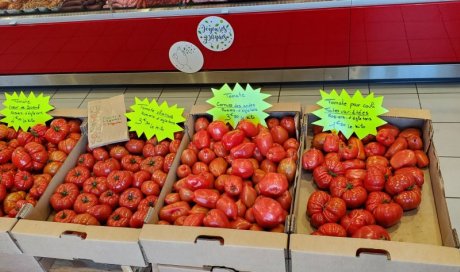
(7, 244)
(37, 235)
(423, 241)
(182, 248)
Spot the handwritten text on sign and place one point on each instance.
(231, 106)
(153, 119)
(350, 114)
(215, 33)
(23, 111)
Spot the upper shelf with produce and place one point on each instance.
(49, 11)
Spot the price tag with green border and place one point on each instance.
(233, 105)
(23, 111)
(151, 119)
(356, 114)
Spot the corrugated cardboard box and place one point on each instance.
(423, 241)
(179, 248)
(38, 236)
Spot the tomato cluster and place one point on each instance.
(115, 185)
(376, 179)
(29, 159)
(235, 177)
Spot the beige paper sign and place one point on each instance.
(107, 121)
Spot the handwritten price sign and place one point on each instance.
(231, 106)
(151, 119)
(23, 111)
(350, 114)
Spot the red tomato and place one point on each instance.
(228, 206)
(359, 174)
(173, 211)
(39, 130)
(137, 220)
(216, 218)
(64, 196)
(322, 208)
(375, 179)
(422, 159)
(57, 156)
(359, 144)
(242, 168)
(288, 123)
(248, 127)
(168, 161)
(272, 121)
(74, 125)
(353, 164)
(219, 149)
(399, 183)
(7, 179)
(87, 160)
(201, 123)
(356, 219)
(118, 152)
(331, 229)
(414, 172)
(194, 182)
(151, 164)
(279, 134)
(351, 191)
(414, 142)
(201, 139)
(2, 192)
(291, 143)
(58, 131)
(139, 177)
(194, 220)
(331, 143)
(268, 213)
(148, 150)
(276, 153)
(243, 150)
(241, 208)
(85, 219)
(399, 144)
(9, 203)
(288, 168)
(85, 201)
(403, 158)
(131, 162)
(65, 216)
(150, 187)
(101, 212)
(188, 157)
(273, 185)
(312, 158)
(95, 185)
(5, 154)
(187, 194)
(33, 156)
(67, 145)
(248, 195)
(199, 167)
(264, 141)
(100, 154)
(233, 185)
(410, 132)
(120, 217)
(159, 177)
(118, 181)
(131, 198)
(285, 200)
(147, 203)
(78, 175)
(324, 174)
(232, 138)
(375, 149)
(217, 129)
(385, 137)
(183, 171)
(218, 166)
(23, 181)
(375, 232)
(104, 168)
(135, 146)
(386, 212)
(348, 152)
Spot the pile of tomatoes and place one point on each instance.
(117, 184)
(235, 177)
(376, 179)
(29, 159)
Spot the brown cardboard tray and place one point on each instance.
(423, 241)
(179, 248)
(7, 244)
(37, 235)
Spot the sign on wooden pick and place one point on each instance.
(350, 115)
(151, 119)
(23, 111)
(107, 121)
(233, 105)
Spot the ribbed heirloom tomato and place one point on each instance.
(322, 208)
(64, 196)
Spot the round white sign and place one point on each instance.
(215, 33)
(186, 57)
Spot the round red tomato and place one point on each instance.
(168, 161)
(118, 152)
(375, 149)
(131, 198)
(322, 208)
(414, 172)
(58, 131)
(95, 185)
(131, 163)
(51, 168)
(216, 218)
(147, 203)
(104, 168)
(139, 177)
(118, 181)
(159, 177)
(410, 198)
(100, 154)
(74, 125)
(375, 232)
(23, 180)
(87, 160)
(374, 180)
(67, 145)
(288, 123)
(268, 212)
(150, 187)
(5, 154)
(201, 139)
(120, 217)
(151, 164)
(85, 201)
(201, 123)
(137, 220)
(65, 216)
(243, 168)
(273, 185)
(331, 229)
(385, 211)
(248, 127)
(350, 190)
(135, 146)
(85, 219)
(324, 174)
(217, 129)
(233, 185)
(78, 175)
(110, 198)
(355, 219)
(64, 196)
(7, 179)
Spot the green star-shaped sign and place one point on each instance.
(23, 111)
(350, 115)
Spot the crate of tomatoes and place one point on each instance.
(29, 163)
(98, 206)
(375, 203)
(228, 201)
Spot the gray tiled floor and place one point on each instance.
(441, 99)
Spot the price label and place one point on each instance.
(23, 111)
(151, 119)
(233, 105)
(350, 115)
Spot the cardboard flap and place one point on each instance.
(73, 241)
(214, 247)
(107, 121)
(7, 244)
